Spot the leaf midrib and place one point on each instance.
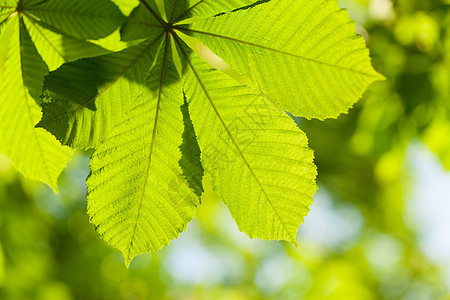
(152, 144)
(26, 97)
(277, 51)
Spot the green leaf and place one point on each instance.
(84, 19)
(142, 23)
(190, 161)
(28, 49)
(259, 161)
(81, 112)
(126, 6)
(139, 199)
(201, 8)
(5, 4)
(34, 152)
(57, 48)
(7, 8)
(303, 54)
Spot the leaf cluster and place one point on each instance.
(166, 113)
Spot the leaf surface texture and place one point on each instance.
(34, 152)
(139, 199)
(33, 41)
(258, 159)
(303, 54)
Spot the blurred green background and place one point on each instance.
(379, 227)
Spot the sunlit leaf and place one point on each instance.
(304, 54)
(139, 198)
(34, 152)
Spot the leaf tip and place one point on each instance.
(292, 239)
(54, 187)
(380, 77)
(127, 259)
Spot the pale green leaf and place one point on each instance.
(303, 54)
(33, 152)
(257, 158)
(81, 112)
(139, 198)
(8, 3)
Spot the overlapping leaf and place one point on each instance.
(83, 100)
(34, 152)
(139, 196)
(76, 112)
(57, 48)
(29, 47)
(142, 23)
(7, 8)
